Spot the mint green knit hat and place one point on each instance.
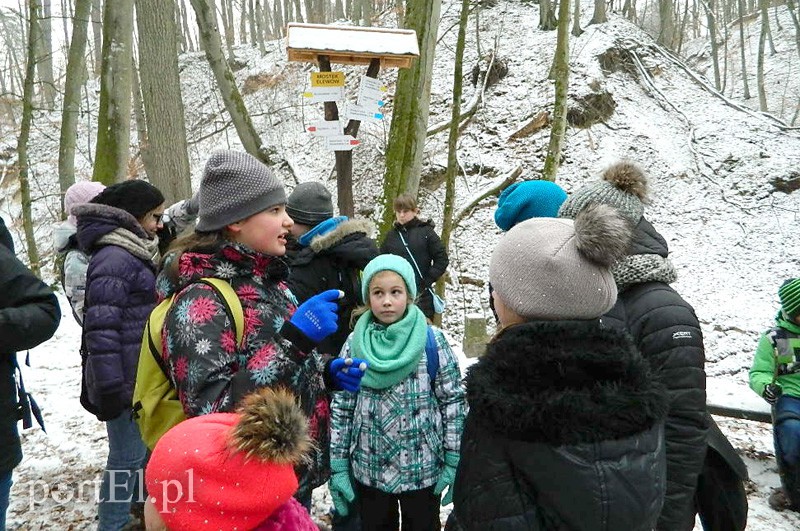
(389, 262)
(789, 294)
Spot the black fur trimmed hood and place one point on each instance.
(564, 383)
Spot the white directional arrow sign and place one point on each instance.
(340, 143)
(318, 94)
(325, 128)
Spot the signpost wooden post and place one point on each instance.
(325, 45)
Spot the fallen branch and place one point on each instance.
(497, 186)
(540, 121)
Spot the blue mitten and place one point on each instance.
(347, 373)
(341, 486)
(447, 478)
(317, 318)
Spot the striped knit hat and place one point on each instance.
(789, 293)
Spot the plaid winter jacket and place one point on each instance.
(396, 438)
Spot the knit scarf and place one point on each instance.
(641, 268)
(393, 351)
(136, 245)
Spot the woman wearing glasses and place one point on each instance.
(118, 229)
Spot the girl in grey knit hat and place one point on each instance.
(564, 429)
(240, 238)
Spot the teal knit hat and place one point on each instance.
(789, 293)
(526, 200)
(389, 262)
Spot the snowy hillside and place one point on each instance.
(718, 176)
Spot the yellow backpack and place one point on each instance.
(156, 407)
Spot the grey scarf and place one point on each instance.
(136, 245)
(640, 268)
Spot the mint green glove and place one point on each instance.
(341, 486)
(447, 478)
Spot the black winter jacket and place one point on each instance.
(428, 251)
(29, 315)
(564, 431)
(667, 332)
(334, 261)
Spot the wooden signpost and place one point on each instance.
(325, 45)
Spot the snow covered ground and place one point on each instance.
(720, 178)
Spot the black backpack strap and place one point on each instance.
(26, 405)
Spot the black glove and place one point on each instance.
(772, 392)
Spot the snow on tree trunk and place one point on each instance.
(167, 165)
(44, 53)
(114, 114)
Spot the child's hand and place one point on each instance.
(341, 486)
(447, 478)
(347, 373)
(317, 318)
(772, 392)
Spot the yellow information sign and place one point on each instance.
(327, 79)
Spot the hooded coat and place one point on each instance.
(29, 315)
(211, 372)
(667, 332)
(73, 264)
(428, 251)
(120, 293)
(334, 261)
(564, 431)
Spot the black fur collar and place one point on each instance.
(564, 382)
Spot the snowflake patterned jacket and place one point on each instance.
(210, 372)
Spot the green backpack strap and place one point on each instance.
(232, 304)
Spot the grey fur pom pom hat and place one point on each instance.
(623, 186)
(555, 269)
(235, 186)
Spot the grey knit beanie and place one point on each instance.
(623, 186)
(235, 186)
(310, 204)
(554, 269)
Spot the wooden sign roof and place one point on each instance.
(353, 45)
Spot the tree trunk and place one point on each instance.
(66, 16)
(547, 17)
(410, 110)
(242, 21)
(185, 26)
(180, 36)
(366, 11)
(114, 113)
(561, 70)
(24, 135)
(278, 17)
(762, 41)
(452, 140)
(228, 29)
(97, 35)
(251, 19)
(44, 54)
(338, 9)
(666, 15)
(599, 16)
(70, 113)
(576, 22)
(167, 165)
(711, 17)
(796, 22)
(743, 50)
(141, 125)
(226, 82)
(260, 33)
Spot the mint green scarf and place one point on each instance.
(393, 351)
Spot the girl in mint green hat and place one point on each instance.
(396, 441)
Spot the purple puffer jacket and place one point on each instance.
(120, 293)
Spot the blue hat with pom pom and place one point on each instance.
(526, 200)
